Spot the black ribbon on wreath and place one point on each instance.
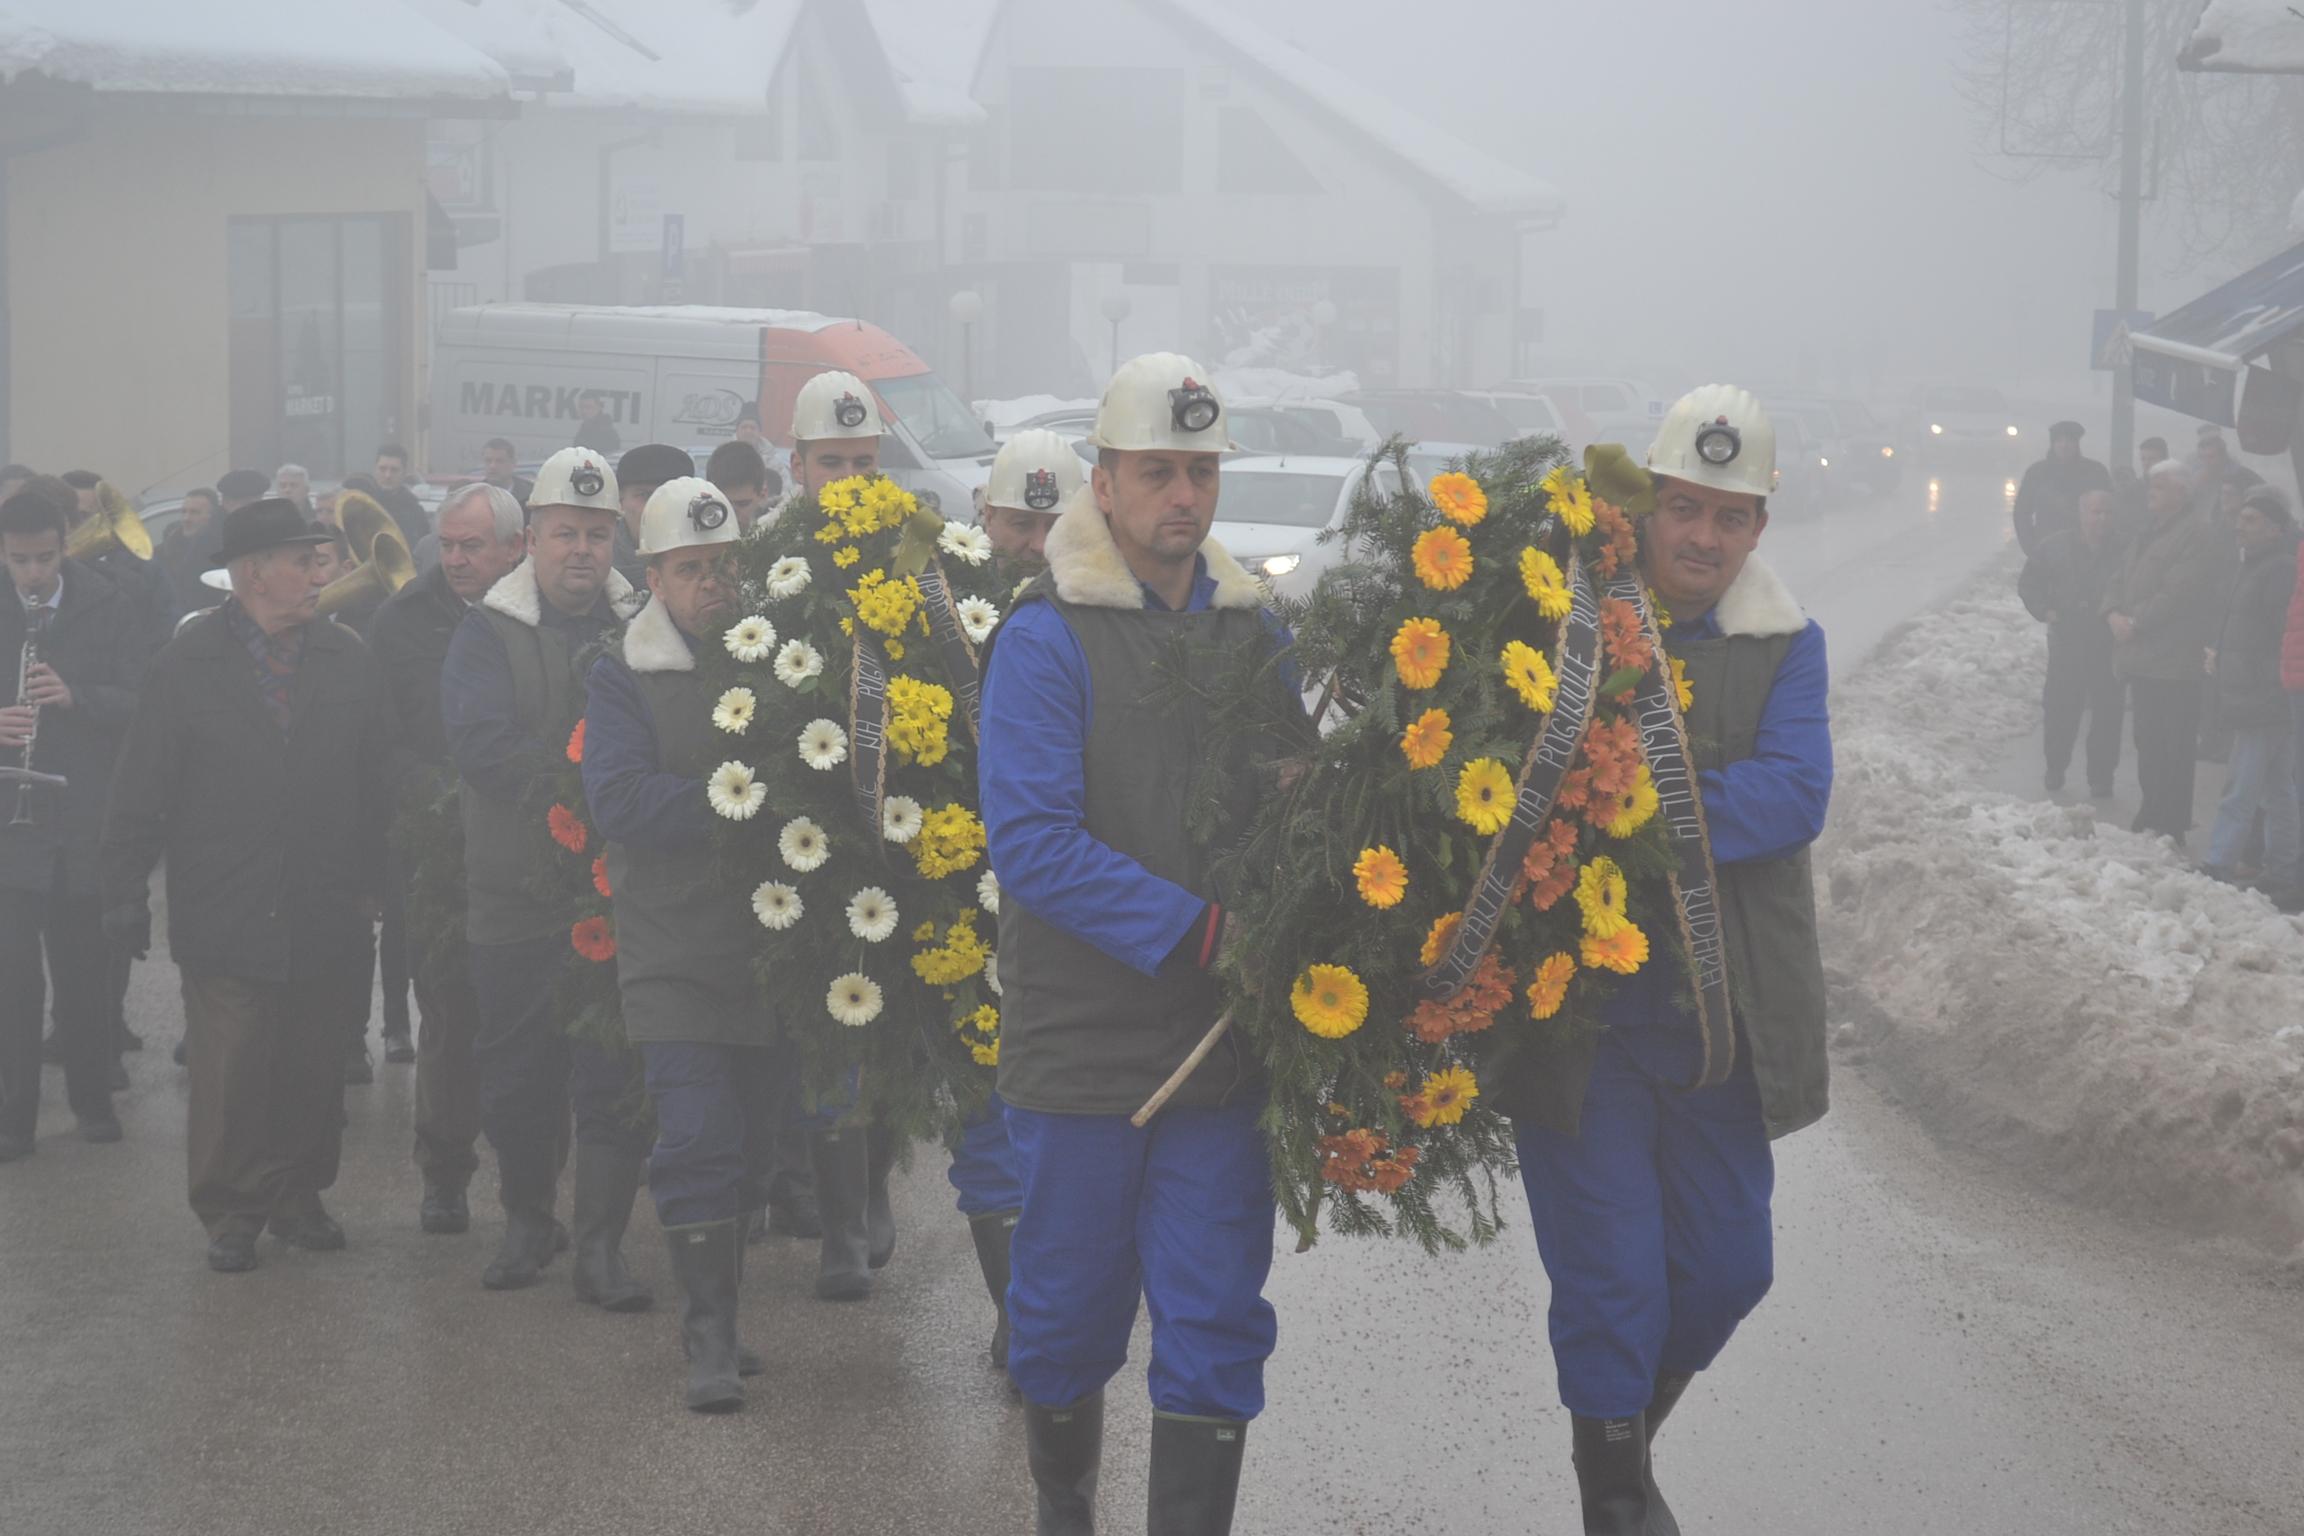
(868, 727)
(959, 657)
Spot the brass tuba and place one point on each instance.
(114, 522)
(386, 565)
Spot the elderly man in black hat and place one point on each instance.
(2049, 499)
(256, 764)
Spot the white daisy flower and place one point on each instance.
(734, 792)
(976, 618)
(823, 745)
(900, 818)
(988, 892)
(803, 844)
(871, 914)
(734, 711)
(798, 662)
(787, 577)
(750, 639)
(992, 973)
(854, 1000)
(965, 542)
(776, 904)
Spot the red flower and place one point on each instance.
(576, 743)
(600, 876)
(594, 939)
(568, 829)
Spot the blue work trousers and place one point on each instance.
(1179, 1213)
(716, 1108)
(2259, 777)
(1653, 1221)
(983, 1171)
(531, 1072)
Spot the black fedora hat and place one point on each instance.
(263, 525)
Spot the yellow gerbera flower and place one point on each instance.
(1484, 796)
(1656, 607)
(1600, 896)
(1459, 497)
(1427, 739)
(1442, 935)
(1549, 991)
(1571, 498)
(1637, 806)
(1681, 687)
(1547, 586)
(1530, 676)
(1329, 1000)
(1443, 559)
(1381, 877)
(1445, 1096)
(1623, 951)
(1420, 651)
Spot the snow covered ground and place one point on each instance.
(2058, 992)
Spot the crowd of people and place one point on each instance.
(2174, 601)
(288, 680)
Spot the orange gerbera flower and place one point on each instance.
(1624, 951)
(568, 829)
(576, 743)
(1362, 1160)
(1459, 497)
(1623, 546)
(1381, 877)
(1472, 1009)
(1549, 865)
(594, 939)
(600, 877)
(1437, 941)
(1443, 558)
(1549, 991)
(1420, 651)
(1427, 739)
(1625, 636)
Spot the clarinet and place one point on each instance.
(35, 620)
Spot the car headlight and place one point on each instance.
(1822, 462)
(1887, 453)
(1936, 427)
(2011, 431)
(1280, 565)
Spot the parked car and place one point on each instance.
(1604, 409)
(1335, 418)
(1863, 451)
(1970, 425)
(1273, 509)
(1445, 414)
(1531, 415)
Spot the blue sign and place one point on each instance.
(2182, 385)
(2108, 344)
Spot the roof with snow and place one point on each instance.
(2256, 37)
(356, 48)
(934, 47)
(1438, 156)
(712, 57)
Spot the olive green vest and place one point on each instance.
(1081, 1032)
(685, 938)
(502, 841)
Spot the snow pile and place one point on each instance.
(933, 46)
(2247, 36)
(1262, 384)
(2063, 993)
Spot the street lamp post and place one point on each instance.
(968, 307)
(1116, 309)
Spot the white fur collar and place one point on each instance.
(1758, 604)
(1089, 571)
(518, 597)
(653, 643)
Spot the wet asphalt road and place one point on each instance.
(1943, 1352)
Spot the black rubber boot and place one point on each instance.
(1668, 1393)
(444, 1212)
(843, 1176)
(1195, 1476)
(1612, 1477)
(1065, 1446)
(606, 1181)
(879, 1215)
(531, 1237)
(707, 1259)
(794, 1213)
(992, 1231)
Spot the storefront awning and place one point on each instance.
(2190, 360)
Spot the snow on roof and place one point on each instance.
(713, 57)
(1471, 174)
(2263, 37)
(515, 33)
(361, 48)
(934, 46)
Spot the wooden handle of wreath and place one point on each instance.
(1176, 1078)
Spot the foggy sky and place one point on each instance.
(1755, 189)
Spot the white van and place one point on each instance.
(682, 374)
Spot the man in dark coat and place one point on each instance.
(499, 466)
(480, 542)
(78, 691)
(2063, 586)
(256, 764)
(2048, 500)
(2248, 701)
(2162, 610)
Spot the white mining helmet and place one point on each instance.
(834, 405)
(576, 477)
(1717, 436)
(1161, 401)
(1037, 471)
(686, 512)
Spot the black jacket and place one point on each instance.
(274, 841)
(2247, 693)
(411, 637)
(146, 587)
(2049, 499)
(95, 641)
(2063, 586)
(406, 511)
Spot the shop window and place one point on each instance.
(318, 343)
(1250, 156)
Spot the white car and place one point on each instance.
(1273, 509)
(1966, 424)
(1532, 415)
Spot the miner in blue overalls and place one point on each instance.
(1650, 1199)
(1108, 923)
